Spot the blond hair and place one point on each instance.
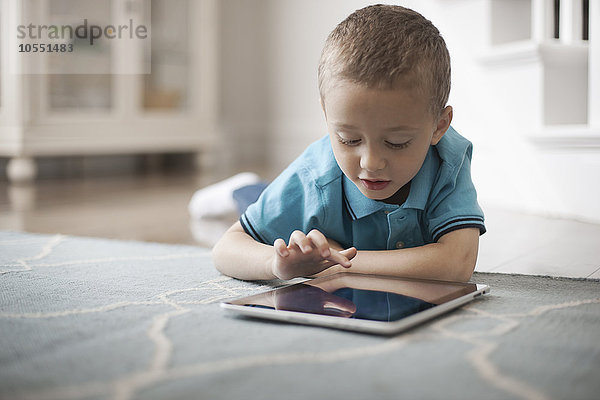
(386, 46)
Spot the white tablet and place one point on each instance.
(365, 303)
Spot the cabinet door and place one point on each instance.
(86, 83)
(166, 87)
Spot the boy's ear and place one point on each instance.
(443, 123)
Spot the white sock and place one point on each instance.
(217, 200)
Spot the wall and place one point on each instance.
(244, 111)
(302, 27)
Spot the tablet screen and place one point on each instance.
(360, 296)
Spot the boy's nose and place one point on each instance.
(371, 161)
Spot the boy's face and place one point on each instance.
(380, 137)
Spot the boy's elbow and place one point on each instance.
(215, 257)
(458, 266)
(221, 253)
(464, 265)
(465, 273)
(460, 253)
(218, 256)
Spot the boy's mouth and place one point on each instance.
(374, 185)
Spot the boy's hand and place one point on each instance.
(307, 255)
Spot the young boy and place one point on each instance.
(389, 190)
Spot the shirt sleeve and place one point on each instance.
(291, 202)
(453, 204)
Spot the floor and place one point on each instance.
(154, 208)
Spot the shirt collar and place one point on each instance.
(360, 206)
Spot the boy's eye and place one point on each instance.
(398, 145)
(348, 142)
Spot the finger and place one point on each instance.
(299, 239)
(349, 253)
(339, 258)
(281, 248)
(320, 242)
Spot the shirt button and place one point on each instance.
(387, 212)
(400, 245)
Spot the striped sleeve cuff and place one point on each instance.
(459, 223)
(250, 230)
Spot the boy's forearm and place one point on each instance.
(451, 260)
(238, 255)
(428, 262)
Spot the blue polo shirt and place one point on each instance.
(313, 193)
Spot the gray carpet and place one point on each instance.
(99, 319)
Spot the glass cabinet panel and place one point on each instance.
(80, 91)
(166, 86)
(86, 82)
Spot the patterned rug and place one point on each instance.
(84, 318)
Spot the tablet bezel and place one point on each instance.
(360, 325)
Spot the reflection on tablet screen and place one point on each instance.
(382, 306)
(364, 298)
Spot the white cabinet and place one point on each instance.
(551, 47)
(541, 85)
(98, 99)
